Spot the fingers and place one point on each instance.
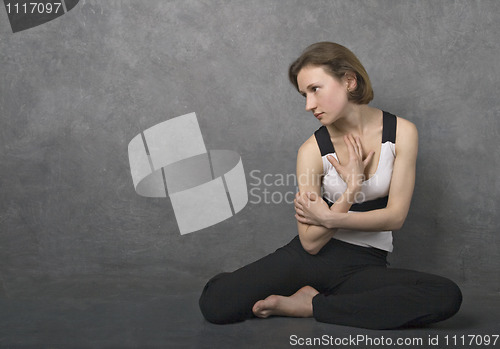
(368, 158)
(359, 147)
(312, 196)
(299, 212)
(301, 219)
(300, 202)
(350, 147)
(355, 147)
(296, 202)
(334, 162)
(304, 201)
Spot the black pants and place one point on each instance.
(356, 288)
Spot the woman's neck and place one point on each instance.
(355, 120)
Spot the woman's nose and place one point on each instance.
(310, 103)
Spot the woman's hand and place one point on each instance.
(310, 208)
(353, 172)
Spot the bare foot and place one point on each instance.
(298, 304)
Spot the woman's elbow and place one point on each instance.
(396, 226)
(308, 246)
(398, 222)
(394, 217)
(312, 250)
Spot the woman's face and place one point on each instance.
(326, 97)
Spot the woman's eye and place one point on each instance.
(315, 88)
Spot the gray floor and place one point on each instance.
(145, 314)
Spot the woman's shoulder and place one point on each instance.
(310, 146)
(405, 128)
(309, 158)
(406, 135)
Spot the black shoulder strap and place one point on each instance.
(388, 134)
(324, 142)
(389, 128)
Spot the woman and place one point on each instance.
(356, 178)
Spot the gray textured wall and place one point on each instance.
(76, 90)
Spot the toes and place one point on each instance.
(257, 309)
(261, 309)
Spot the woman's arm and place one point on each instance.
(309, 173)
(309, 176)
(400, 193)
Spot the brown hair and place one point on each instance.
(337, 60)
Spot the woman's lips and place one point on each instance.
(318, 115)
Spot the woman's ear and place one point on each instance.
(350, 81)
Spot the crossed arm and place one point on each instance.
(317, 223)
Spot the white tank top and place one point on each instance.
(374, 191)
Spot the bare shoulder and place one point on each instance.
(406, 135)
(310, 146)
(309, 166)
(405, 128)
(309, 155)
